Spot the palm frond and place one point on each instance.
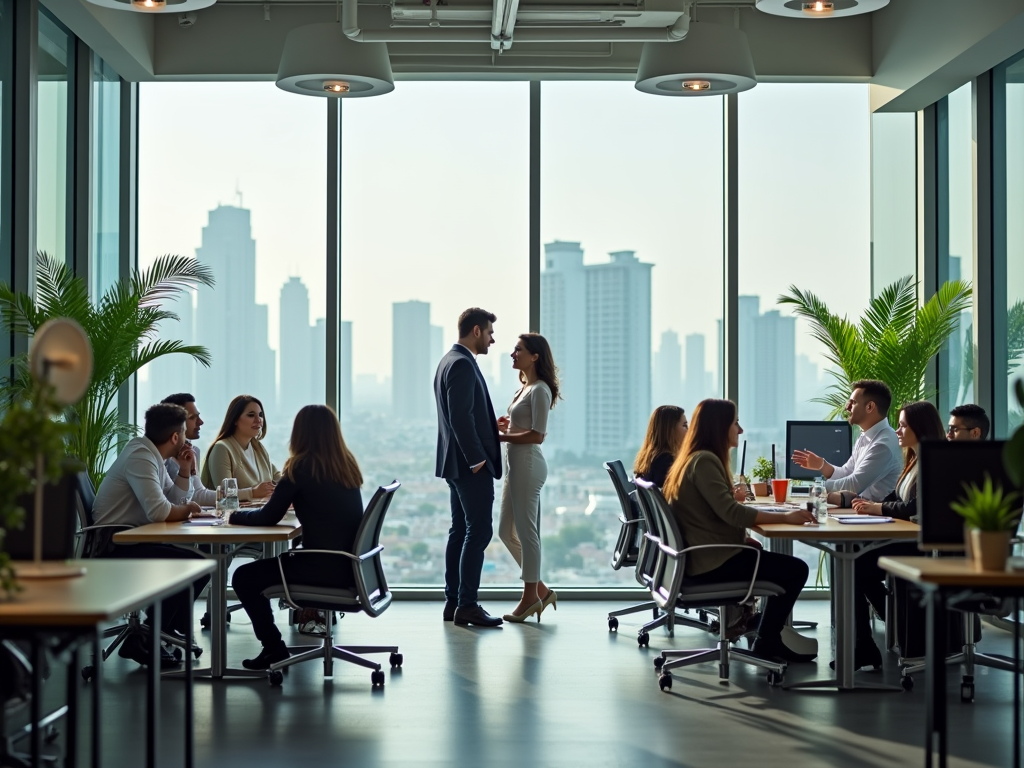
(893, 309)
(168, 276)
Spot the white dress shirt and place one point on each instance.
(874, 467)
(134, 491)
(201, 495)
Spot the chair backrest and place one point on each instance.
(667, 573)
(85, 495)
(371, 582)
(630, 540)
(59, 523)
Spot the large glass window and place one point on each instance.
(631, 292)
(959, 255)
(54, 59)
(104, 180)
(1014, 239)
(234, 175)
(804, 185)
(893, 198)
(435, 219)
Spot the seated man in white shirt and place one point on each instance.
(196, 491)
(133, 493)
(877, 460)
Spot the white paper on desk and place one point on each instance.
(864, 520)
(202, 521)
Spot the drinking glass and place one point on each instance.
(819, 497)
(230, 487)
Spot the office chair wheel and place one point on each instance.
(377, 679)
(665, 682)
(613, 624)
(967, 693)
(396, 659)
(907, 682)
(659, 662)
(88, 673)
(643, 639)
(775, 678)
(275, 677)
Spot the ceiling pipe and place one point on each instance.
(350, 26)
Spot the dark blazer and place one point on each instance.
(894, 506)
(467, 431)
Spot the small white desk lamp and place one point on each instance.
(61, 356)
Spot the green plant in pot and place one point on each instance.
(762, 472)
(991, 515)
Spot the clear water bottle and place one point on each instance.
(820, 499)
(230, 495)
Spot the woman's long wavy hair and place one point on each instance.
(923, 418)
(662, 437)
(235, 410)
(317, 447)
(545, 366)
(709, 431)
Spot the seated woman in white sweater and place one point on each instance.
(239, 453)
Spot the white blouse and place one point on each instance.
(529, 408)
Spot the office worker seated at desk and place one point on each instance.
(322, 480)
(133, 493)
(665, 433)
(968, 422)
(876, 462)
(700, 491)
(196, 491)
(918, 422)
(238, 451)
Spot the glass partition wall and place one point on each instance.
(55, 62)
(1013, 98)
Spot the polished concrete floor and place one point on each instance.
(564, 692)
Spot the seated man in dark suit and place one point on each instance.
(469, 459)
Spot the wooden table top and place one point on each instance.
(833, 530)
(108, 589)
(187, 533)
(949, 571)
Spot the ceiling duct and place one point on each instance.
(714, 59)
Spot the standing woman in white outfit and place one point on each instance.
(523, 429)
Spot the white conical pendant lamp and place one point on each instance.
(319, 60)
(714, 59)
(819, 9)
(155, 6)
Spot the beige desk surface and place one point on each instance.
(108, 589)
(833, 530)
(948, 571)
(187, 533)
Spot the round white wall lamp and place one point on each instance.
(155, 6)
(714, 59)
(319, 60)
(819, 9)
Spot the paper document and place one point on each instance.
(204, 521)
(864, 520)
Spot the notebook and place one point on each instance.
(863, 520)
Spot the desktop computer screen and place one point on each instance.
(832, 440)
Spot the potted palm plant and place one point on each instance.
(894, 341)
(991, 515)
(762, 472)
(122, 326)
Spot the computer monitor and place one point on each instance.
(60, 517)
(943, 469)
(832, 440)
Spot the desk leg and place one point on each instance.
(97, 680)
(153, 689)
(935, 680)
(36, 713)
(71, 743)
(189, 724)
(1017, 674)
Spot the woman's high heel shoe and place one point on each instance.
(551, 598)
(519, 618)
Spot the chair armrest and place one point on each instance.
(676, 554)
(87, 528)
(348, 555)
(624, 521)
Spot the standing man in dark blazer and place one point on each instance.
(469, 459)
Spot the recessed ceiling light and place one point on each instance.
(714, 59)
(336, 86)
(819, 9)
(696, 85)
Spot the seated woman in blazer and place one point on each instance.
(665, 433)
(918, 421)
(322, 480)
(238, 451)
(704, 503)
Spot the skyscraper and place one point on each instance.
(297, 382)
(172, 373)
(345, 366)
(774, 371)
(412, 366)
(229, 322)
(667, 388)
(696, 387)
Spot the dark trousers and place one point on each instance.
(176, 610)
(785, 571)
(472, 500)
(251, 579)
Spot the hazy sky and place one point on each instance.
(435, 194)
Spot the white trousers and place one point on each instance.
(519, 524)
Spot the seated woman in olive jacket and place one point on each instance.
(322, 481)
(665, 433)
(706, 506)
(918, 421)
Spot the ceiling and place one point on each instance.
(911, 51)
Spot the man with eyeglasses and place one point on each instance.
(968, 422)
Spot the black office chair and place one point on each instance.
(633, 549)
(370, 596)
(670, 590)
(15, 696)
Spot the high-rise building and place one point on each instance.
(667, 387)
(297, 383)
(597, 319)
(696, 386)
(412, 361)
(748, 310)
(229, 322)
(774, 371)
(344, 367)
(172, 373)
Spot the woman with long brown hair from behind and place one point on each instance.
(523, 430)
(666, 431)
(700, 491)
(322, 480)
